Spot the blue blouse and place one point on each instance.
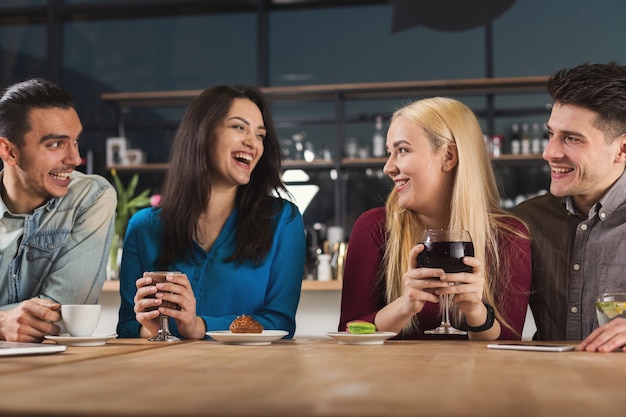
(269, 292)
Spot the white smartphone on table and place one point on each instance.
(532, 347)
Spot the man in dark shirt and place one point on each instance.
(579, 229)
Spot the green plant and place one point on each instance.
(127, 202)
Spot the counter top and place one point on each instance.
(311, 377)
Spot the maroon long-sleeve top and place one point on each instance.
(363, 293)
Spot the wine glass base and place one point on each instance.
(162, 337)
(163, 334)
(445, 330)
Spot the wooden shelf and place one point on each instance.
(320, 164)
(307, 285)
(153, 166)
(518, 160)
(511, 157)
(301, 164)
(396, 89)
(312, 285)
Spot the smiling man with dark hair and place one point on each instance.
(56, 224)
(579, 229)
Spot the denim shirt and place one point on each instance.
(60, 251)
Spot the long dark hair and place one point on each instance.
(189, 176)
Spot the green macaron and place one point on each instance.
(360, 327)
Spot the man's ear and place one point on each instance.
(621, 151)
(450, 157)
(7, 153)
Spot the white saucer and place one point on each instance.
(250, 339)
(345, 338)
(95, 340)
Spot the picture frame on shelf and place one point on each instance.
(116, 151)
(135, 156)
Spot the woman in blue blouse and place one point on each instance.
(240, 249)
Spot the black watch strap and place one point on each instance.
(491, 317)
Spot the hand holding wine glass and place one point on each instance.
(445, 249)
(163, 334)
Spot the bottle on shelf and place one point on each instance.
(525, 139)
(515, 139)
(545, 138)
(378, 140)
(536, 141)
(497, 141)
(324, 270)
(315, 236)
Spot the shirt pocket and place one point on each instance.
(611, 278)
(43, 249)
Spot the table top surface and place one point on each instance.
(315, 376)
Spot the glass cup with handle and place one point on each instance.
(445, 249)
(164, 334)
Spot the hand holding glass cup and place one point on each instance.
(163, 334)
(445, 249)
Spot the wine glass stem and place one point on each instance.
(165, 324)
(446, 300)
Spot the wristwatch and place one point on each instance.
(488, 324)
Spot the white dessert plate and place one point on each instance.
(376, 338)
(95, 340)
(250, 339)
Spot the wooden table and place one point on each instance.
(312, 377)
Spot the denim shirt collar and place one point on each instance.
(49, 205)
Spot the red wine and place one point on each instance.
(446, 255)
(159, 277)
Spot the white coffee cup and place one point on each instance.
(80, 320)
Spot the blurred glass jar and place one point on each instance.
(351, 148)
(610, 306)
(298, 146)
(309, 152)
(285, 147)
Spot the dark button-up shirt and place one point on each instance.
(576, 257)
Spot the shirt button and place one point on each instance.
(602, 216)
(583, 227)
(576, 267)
(574, 310)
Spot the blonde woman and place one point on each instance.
(443, 179)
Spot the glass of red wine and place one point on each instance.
(164, 334)
(445, 249)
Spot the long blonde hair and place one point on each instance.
(474, 205)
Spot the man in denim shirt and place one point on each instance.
(56, 224)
